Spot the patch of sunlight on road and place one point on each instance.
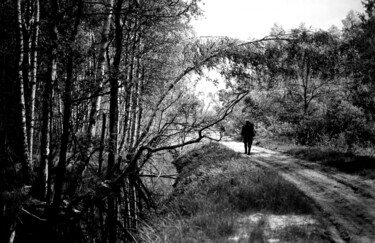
(239, 147)
(269, 225)
(277, 222)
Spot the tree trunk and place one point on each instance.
(100, 71)
(34, 63)
(137, 117)
(126, 93)
(42, 188)
(21, 66)
(100, 159)
(61, 167)
(134, 83)
(113, 109)
(26, 32)
(140, 105)
(113, 123)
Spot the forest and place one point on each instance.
(95, 94)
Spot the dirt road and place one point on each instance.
(347, 202)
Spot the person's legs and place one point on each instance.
(245, 144)
(249, 146)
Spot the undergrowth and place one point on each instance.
(215, 186)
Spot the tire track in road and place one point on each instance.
(346, 201)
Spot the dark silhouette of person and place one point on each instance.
(248, 134)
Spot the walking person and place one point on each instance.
(248, 134)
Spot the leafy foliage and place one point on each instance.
(312, 86)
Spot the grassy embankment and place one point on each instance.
(218, 194)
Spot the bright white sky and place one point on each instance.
(246, 19)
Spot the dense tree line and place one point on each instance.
(91, 92)
(312, 86)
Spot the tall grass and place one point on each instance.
(216, 186)
(261, 190)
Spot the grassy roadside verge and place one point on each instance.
(348, 162)
(221, 196)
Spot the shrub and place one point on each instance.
(310, 130)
